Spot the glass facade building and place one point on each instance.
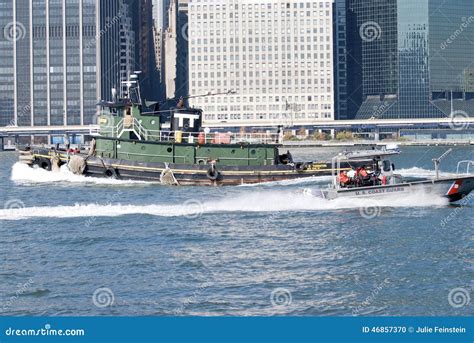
(409, 59)
(117, 47)
(48, 74)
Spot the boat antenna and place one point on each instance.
(452, 105)
(183, 98)
(136, 75)
(437, 161)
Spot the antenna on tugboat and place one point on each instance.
(133, 79)
(183, 98)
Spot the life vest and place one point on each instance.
(343, 178)
(362, 172)
(384, 180)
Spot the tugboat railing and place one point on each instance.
(190, 137)
(117, 130)
(212, 138)
(142, 132)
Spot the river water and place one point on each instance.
(76, 246)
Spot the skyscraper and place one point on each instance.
(160, 10)
(59, 58)
(48, 74)
(160, 24)
(182, 63)
(273, 58)
(171, 51)
(413, 59)
(340, 58)
(117, 46)
(145, 59)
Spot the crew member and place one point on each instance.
(361, 172)
(361, 176)
(344, 179)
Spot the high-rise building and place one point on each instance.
(171, 51)
(182, 63)
(59, 58)
(272, 59)
(117, 47)
(340, 58)
(176, 50)
(127, 46)
(410, 59)
(160, 24)
(160, 10)
(145, 58)
(48, 74)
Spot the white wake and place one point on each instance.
(268, 201)
(22, 173)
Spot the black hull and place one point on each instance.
(188, 174)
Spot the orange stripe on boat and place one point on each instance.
(455, 187)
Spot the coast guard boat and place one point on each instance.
(378, 179)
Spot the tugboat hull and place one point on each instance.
(182, 174)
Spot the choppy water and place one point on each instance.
(71, 245)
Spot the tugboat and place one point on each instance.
(378, 179)
(170, 146)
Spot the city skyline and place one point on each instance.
(288, 63)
